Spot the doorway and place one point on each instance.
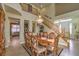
(14, 32)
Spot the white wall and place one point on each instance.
(16, 6)
(75, 25)
(50, 11)
(7, 32)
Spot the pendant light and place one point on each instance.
(40, 20)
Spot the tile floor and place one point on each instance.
(17, 50)
(73, 50)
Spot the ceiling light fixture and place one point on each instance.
(40, 20)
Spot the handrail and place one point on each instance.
(47, 16)
(51, 25)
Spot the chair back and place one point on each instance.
(45, 34)
(55, 38)
(41, 34)
(52, 35)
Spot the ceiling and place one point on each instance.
(62, 8)
(11, 10)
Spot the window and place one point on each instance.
(60, 28)
(64, 24)
(70, 28)
(15, 28)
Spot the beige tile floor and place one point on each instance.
(15, 49)
(20, 51)
(73, 50)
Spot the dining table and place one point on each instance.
(46, 41)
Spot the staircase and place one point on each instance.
(50, 25)
(63, 40)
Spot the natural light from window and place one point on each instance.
(64, 20)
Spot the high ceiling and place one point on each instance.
(11, 10)
(62, 8)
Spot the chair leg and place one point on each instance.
(33, 53)
(55, 52)
(45, 52)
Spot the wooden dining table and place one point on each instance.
(46, 41)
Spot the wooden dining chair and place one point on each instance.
(52, 35)
(37, 50)
(28, 37)
(53, 47)
(45, 34)
(40, 34)
(25, 37)
(65, 36)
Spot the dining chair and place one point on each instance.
(53, 47)
(28, 37)
(66, 37)
(45, 34)
(41, 34)
(37, 50)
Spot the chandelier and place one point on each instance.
(40, 19)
